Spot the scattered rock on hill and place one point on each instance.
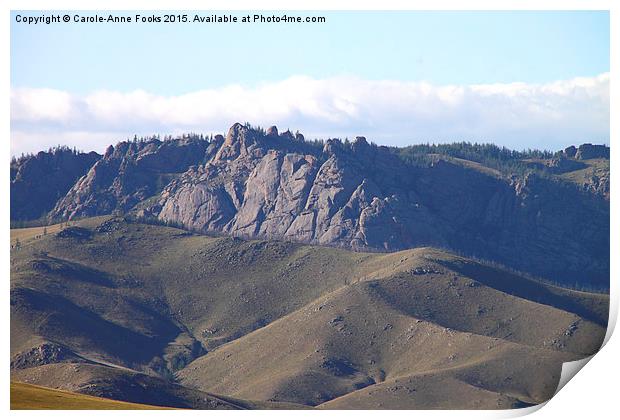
(75, 232)
(43, 354)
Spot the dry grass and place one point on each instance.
(598, 167)
(25, 235)
(28, 234)
(33, 397)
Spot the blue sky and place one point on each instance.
(437, 48)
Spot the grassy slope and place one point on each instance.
(214, 289)
(375, 333)
(28, 234)
(598, 167)
(304, 324)
(33, 397)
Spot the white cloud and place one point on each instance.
(517, 115)
(40, 104)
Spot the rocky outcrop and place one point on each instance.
(44, 354)
(598, 184)
(38, 181)
(570, 151)
(560, 165)
(592, 151)
(128, 174)
(587, 151)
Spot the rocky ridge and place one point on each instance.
(266, 184)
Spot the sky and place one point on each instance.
(519, 79)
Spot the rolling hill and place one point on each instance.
(115, 308)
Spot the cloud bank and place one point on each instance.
(517, 115)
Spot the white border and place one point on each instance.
(592, 395)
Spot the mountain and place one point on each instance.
(541, 213)
(39, 181)
(150, 314)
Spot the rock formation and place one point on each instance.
(128, 174)
(38, 181)
(256, 184)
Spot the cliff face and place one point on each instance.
(127, 175)
(38, 181)
(253, 184)
(270, 187)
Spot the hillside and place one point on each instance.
(32, 397)
(157, 315)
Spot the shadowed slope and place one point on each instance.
(32, 397)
